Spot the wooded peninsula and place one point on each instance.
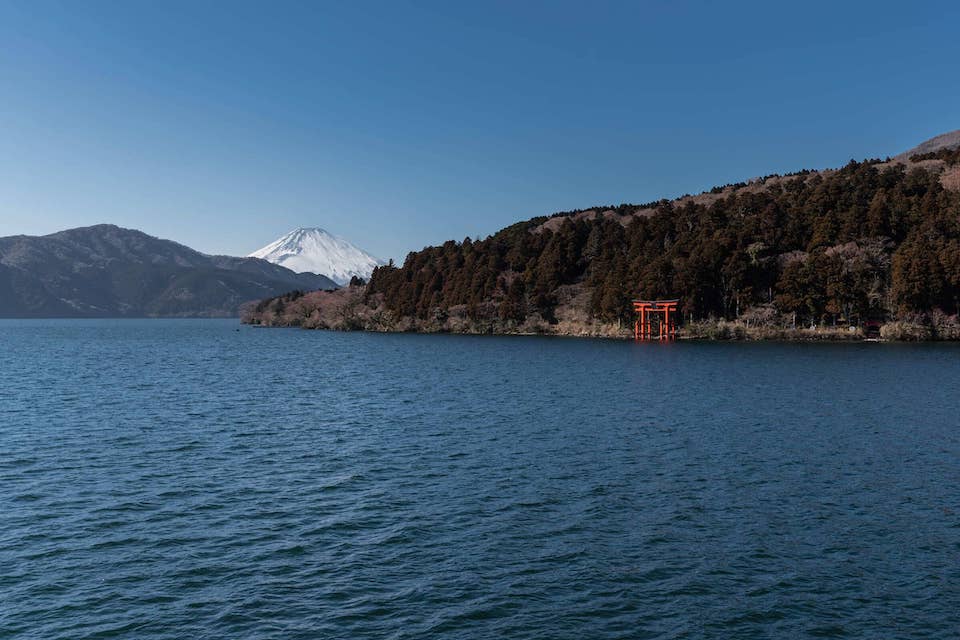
(809, 255)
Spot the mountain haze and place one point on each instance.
(108, 271)
(314, 250)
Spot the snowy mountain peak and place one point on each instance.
(312, 249)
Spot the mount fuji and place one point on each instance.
(311, 249)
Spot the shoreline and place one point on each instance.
(757, 335)
(349, 309)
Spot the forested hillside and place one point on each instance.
(874, 240)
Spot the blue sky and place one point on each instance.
(402, 124)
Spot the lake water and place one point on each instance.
(186, 479)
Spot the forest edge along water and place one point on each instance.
(344, 310)
(869, 249)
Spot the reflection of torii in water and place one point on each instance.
(642, 329)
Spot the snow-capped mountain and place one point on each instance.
(314, 250)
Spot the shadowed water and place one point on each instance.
(182, 479)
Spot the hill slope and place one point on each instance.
(944, 141)
(873, 240)
(107, 271)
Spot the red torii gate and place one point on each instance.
(642, 329)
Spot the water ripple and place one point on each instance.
(179, 479)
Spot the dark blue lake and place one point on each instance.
(186, 479)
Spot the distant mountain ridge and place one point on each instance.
(314, 250)
(109, 271)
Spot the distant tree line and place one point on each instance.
(278, 303)
(865, 241)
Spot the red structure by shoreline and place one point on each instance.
(643, 327)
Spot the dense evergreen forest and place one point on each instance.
(872, 240)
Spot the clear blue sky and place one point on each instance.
(223, 125)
